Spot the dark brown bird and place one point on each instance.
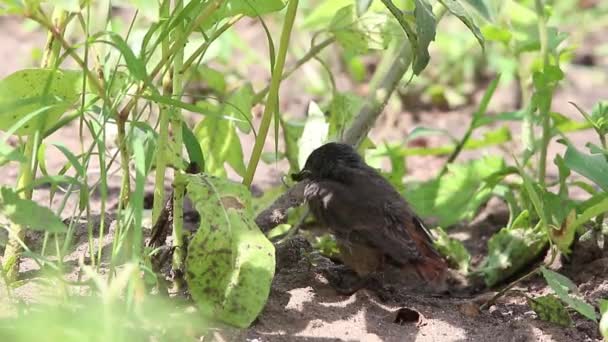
(372, 222)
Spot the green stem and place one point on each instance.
(27, 172)
(543, 109)
(176, 125)
(385, 81)
(481, 111)
(273, 94)
(314, 51)
(163, 135)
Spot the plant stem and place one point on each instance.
(176, 125)
(543, 109)
(481, 111)
(386, 80)
(163, 135)
(273, 93)
(27, 172)
(314, 51)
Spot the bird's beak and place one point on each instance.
(301, 175)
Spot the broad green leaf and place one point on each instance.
(564, 288)
(322, 14)
(51, 92)
(250, 8)
(347, 32)
(550, 309)
(195, 154)
(220, 144)
(496, 33)
(341, 110)
(457, 195)
(563, 236)
(292, 131)
(482, 7)
(604, 325)
(8, 154)
(561, 214)
(603, 304)
(314, 134)
(239, 105)
(14, 7)
(593, 167)
(456, 8)
(230, 263)
(453, 249)
(28, 213)
(425, 31)
(512, 248)
(600, 206)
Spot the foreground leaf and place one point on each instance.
(425, 31)
(453, 249)
(220, 143)
(28, 213)
(46, 91)
(564, 288)
(604, 320)
(457, 195)
(594, 167)
(456, 8)
(512, 248)
(230, 263)
(550, 309)
(314, 134)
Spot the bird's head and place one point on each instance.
(328, 161)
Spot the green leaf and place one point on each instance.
(593, 167)
(28, 213)
(604, 325)
(230, 263)
(134, 64)
(563, 288)
(341, 110)
(250, 8)
(347, 33)
(457, 195)
(314, 133)
(8, 154)
(421, 131)
(550, 309)
(496, 137)
(68, 5)
(425, 31)
(453, 249)
(220, 144)
(496, 33)
(363, 6)
(512, 248)
(322, 15)
(195, 154)
(456, 8)
(45, 91)
(239, 106)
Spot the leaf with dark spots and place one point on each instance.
(234, 278)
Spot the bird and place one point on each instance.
(372, 223)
